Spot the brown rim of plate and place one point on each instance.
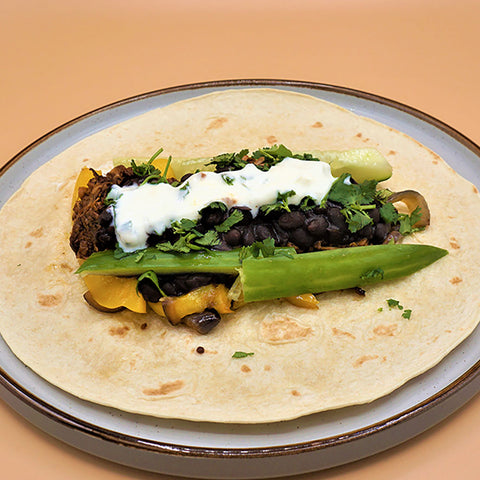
(101, 433)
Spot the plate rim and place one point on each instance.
(68, 420)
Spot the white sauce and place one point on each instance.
(152, 208)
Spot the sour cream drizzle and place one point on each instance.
(151, 208)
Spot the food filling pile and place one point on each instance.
(183, 242)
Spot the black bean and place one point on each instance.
(149, 290)
(335, 235)
(317, 226)
(279, 235)
(375, 215)
(291, 220)
(169, 289)
(366, 232)
(336, 218)
(261, 232)
(301, 238)
(233, 237)
(197, 280)
(213, 216)
(380, 232)
(248, 236)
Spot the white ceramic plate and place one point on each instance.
(206, 450)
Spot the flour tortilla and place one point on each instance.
(346, 352)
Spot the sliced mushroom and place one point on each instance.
(91, 301)
(412, 200)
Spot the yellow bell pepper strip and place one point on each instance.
(307, 300)
(198, 300)
(113, 292)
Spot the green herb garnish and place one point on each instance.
(280, 204)
(242, 354)
(152, 276)
(235, 217)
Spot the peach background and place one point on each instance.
(60, 59)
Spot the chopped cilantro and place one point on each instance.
(266, 248)
(184, 225)
(192, 240)
(392, 303)
(235, 217)
(228, 180)
(407, 222)
(376, 273)
(389, 213)
(407, 313)
(152, 276)
(242, 354)
(280, 204)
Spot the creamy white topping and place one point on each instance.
(151, 208)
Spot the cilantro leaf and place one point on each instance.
(407, 222)
(376, 273)
(280, 204)
(152, 276)
(389, 213)
(356, 218)
(266, 248)
(235, 217)
(209, 239)
(242, 354)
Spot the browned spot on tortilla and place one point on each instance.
(448, 331)
(359, 135)
(164, 388)
(271, 139)
(119, 331)
(198, 145)
(392, 152)
(435, 162)
(317, 125)
(245, 368)
(384, 358)
(37, 233)
(66, 266)
(296, 393)
(475, 189)
(433, 340)
(144, 325)
(455, 280)
(267, 368)
(385, 330)
(49, 300)
(282, 329)
(453, 243)
(366, 139)
(132, 363)
(217, 123)
(28, 244)
(337, 331)
(364, 358)
(85, 160)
